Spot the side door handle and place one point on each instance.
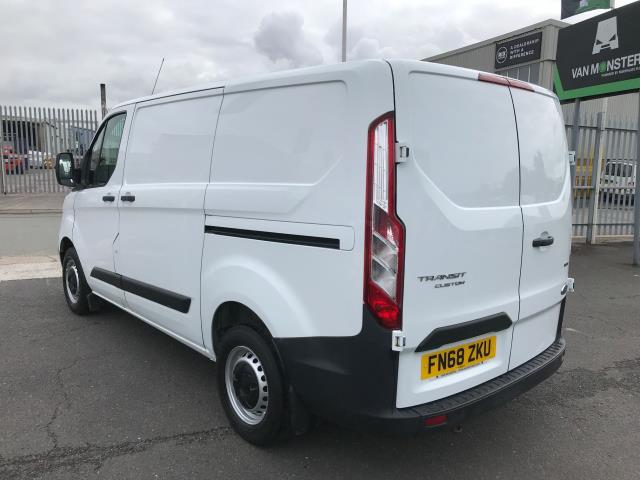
(544, 240)
(128, 198)
(108, 198)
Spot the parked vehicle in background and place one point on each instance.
(13, 163)
(309, 233)
(619, 180)
(35, 158)
(40, 159)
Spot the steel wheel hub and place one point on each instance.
(246, 383)
(72, 281)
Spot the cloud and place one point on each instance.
(60, 51)
(282, 39)
(370, 48)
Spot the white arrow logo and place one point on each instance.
(606, 36)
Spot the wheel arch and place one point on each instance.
(65, 244)
(233, 313)
(235, 288)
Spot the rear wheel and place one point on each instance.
(251, 386)
(76, 289)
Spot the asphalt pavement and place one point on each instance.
(107, 396)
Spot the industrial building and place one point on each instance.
(529, 54)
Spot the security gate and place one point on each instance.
(30, 139)
(604, 183)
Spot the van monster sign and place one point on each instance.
(599, 56)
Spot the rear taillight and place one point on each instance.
(384, 242)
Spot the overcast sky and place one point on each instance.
(56, 52)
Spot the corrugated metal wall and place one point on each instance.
(478, 59)
(619, 107)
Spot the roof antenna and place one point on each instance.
(157, 76)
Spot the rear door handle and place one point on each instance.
(128, 198)
(544, 240)
(108, 198)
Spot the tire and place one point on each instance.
(255, 404)
(74, 284)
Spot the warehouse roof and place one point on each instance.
(515, 33)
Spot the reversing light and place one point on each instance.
(384, 247)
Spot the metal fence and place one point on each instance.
(604, 183)
(30, 139)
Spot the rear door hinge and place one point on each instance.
(398, 340)
(402, 152)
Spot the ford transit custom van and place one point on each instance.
(383, 244)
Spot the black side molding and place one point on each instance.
(305, 240)
(454, 333)
(159, 295)
(107, 276)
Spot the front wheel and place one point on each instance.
(76, 289)
(251, 386)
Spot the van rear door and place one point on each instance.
(546, 211)
(458, 196)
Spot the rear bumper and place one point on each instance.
(496, 391)
(352, 381)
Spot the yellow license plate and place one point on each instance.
(453, 359)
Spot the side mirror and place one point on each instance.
(65, 169)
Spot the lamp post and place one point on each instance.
(344, 30)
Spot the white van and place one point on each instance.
(382, 244)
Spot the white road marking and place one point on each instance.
(26, 268)
(576, 331)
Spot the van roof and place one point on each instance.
(256, 82)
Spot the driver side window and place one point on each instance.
(104, 152)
